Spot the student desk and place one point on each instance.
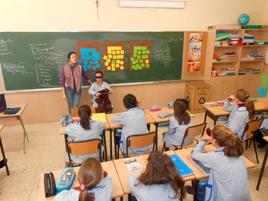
(107, 127)
(124, 173)
(158, 120)
(199, 173)
(18, 116)
(263, 163)
(113, 127)
(184, 154)
(4, 160)
(216, 111)
(107, 166)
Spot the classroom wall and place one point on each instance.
(67, 15)
(50, 106)
(266, 13)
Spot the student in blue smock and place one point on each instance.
(178, 125)
(228, 179)
(94, 184)
(133, 121)
(84, 129)
(159, 181)
(96, 87)
(241, 109)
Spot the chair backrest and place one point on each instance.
(74, 112)
(83, 147)
(140, 141)
(194, 131)
(251, 127)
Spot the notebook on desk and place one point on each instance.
(165, 114)
(181, 167)
(199, 165)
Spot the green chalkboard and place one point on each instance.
(32, 60)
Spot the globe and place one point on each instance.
(243, 19)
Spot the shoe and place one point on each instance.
(3, 163)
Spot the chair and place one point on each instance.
(74, 112)
(250, 130)
(3, 162)
(81, 148)
(137, 142)
(192, 131)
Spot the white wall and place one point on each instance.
(81, 15)
(266, 13)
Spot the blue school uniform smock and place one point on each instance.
(102, 192)
(75, 132)
(238, 118)
(175, 133)
(155, 192)
(134, 123)
(227, 176)
(95, 88)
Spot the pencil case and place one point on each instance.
(66, 180)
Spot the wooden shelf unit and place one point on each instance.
(224, 85)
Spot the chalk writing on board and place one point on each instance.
(162, 54)
(40, 48)
(44, 75)
(4, 49)
(19, 68)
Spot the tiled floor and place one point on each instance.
(46, 152)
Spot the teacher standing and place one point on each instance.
(71, 81)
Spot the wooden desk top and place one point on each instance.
(113, 125)
(19, 113)
(124, 173)
(107, 166)
(260, 105)
(61, 128)
(209, 148)
(157, 119)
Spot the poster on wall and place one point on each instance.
(195, 43)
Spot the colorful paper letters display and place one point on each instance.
(114, 56)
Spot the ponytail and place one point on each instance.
(180, 107)
(250, 108)
(86, 196)
(243, 96)
(227, 139)
(84, 113)
(233, 146)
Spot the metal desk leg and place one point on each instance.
(116, 152)
(262, 168)
(156, 136)
(24, 133)
(195, 186)
(4, 156)
(111, 144)
(104, 144)
(205, 118)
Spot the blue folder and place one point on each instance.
(181, 167)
